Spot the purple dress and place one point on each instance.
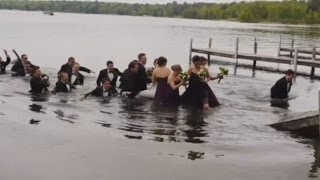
(173, 95)
(197, 92)
(162, 92)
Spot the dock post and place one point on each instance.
(295, 63)
(313, 58)
(292, 44)
(319, 112)
(255, 52)
(190, 55)
(279, 49)
(209, 46)
(236, 55)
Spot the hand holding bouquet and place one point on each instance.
(223, 72)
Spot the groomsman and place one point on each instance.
(22, 66)
(68, 67)
(75, 77)
(283, 86)
(142, 79)
(4, 64)
(62, 85)
(111, 73)
(129, 80)
(102, 91)
(39, 82)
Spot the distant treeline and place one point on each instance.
(259, 11)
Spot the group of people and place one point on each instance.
(135, 79)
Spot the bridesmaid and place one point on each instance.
(199, 93)
(160, 78)
(175, 82)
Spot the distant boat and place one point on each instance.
(50, 13)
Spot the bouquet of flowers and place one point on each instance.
(223, 72)
(184, 76)
(204, 74)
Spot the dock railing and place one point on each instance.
(294, 56)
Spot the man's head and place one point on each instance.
(109, 65)
(133, 66)
(106, 83)
(289, 74)
(37, 72)
(24, 57)
(71, 61)
(63, 76)
(142, 58)
(76, 68)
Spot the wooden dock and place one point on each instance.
(306, 124)
(292, 56)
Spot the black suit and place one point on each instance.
(280, 90)
(37, 85)
(104, 74)
(3, 65)
(129, 82)
(142, 78)
(20, 70)
(78, 81)
(98, 92)
(68, 69)
(61, 87)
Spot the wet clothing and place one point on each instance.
(112, 76)
(100, 92)
(76, 79)
(142, 78)
(21, 68)
(62, 87)
(198, 93)
(4, 64)
(162, 92)
(68, 69)
(38, 84)
(281, 89)
(129, 83)
(174, 95)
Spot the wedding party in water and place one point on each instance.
(160, 82)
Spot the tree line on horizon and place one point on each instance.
(289, 11)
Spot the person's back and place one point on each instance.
(4, 64)
(160, 77)
(282, 87)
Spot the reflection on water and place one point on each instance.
(68, 118)
(36, 108)
(195, 155)
(315, 167)
(34, 121)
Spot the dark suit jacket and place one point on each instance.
(19, 70)
(142, 78)
(280, 90)
(37, 85)
(98, 92)
(68, 69)
(61, 87)
(79, 80)
(104, 74)
(3, 65)
(129, 82)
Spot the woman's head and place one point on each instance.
(176, 69)
(196, 61)
(162, 61)
(203, 60)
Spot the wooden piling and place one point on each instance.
(190, 55)
(295, 63)
(319, 112)
(209, 46)
(236, 54)
(279, 49)
(292, 44)
(255, 52)
(313, 58)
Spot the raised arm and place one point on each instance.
(8, 58)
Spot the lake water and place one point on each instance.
(65, 138)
